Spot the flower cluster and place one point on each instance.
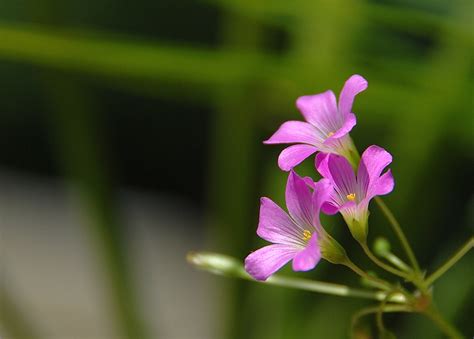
(348, 182)
(347, 185)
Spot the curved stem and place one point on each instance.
(399, 232)
(450, 262)
(379, 314)
(448, 329)
(378, 282)
(374, 309)
(381, 264)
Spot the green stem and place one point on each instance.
(381, 264)
(399, 232)
(450, 262)
(396, 261)
(228, 266)
(323, 287)
(374, 309)
(448, 329)
(379, 314)
(379, 282)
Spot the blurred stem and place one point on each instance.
(381, 264)
(374, 309)
(379, 282)
(13, 321)
(396, 261)
(399, 232)
(379, 314)
(448, 329)
(323, 287)
(103, 56)
(450, 262)
(232, 162)
(78, 139)
(224, 265)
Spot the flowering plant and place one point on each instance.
(348, 184)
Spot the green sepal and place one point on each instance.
(358, 230)
(332, 251)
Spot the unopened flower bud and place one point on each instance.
(215, 263)
(381, 247)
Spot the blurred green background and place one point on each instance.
(171, 100)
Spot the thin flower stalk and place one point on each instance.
(399, 233)
(225, 265)
(450, 262)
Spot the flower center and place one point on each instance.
(306, 235)
(330, 134)
(351, 196)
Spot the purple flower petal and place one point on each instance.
(353, 86)
(308, 258)
(321, 111)
(372, 163)
(348, 205)
(327, 127)
(299, 200)
(294, 132)
(342, 174)
(382, 185)
(322, 192)
(349, 123)
(329, 208)
(374, 160)
(267, 260)
(309, 181)
(351, 195)
(294, 155)
(321, 163)
(276, 226)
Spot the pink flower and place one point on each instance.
(326, 128)
(352, 194)
(294, 236)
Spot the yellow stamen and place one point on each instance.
(351, 197)
(330, 134)
(306, 235)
